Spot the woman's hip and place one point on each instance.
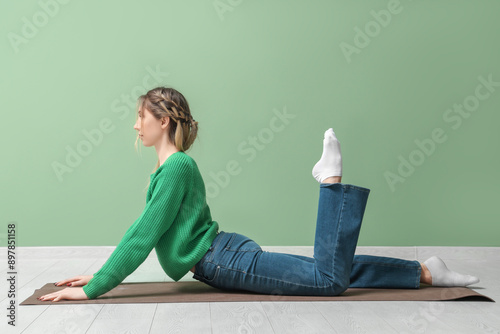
(230, 250)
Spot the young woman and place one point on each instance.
(177, 223)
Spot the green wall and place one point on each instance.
(403, 84)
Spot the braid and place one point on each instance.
(176, 112)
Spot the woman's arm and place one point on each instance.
(169, 189)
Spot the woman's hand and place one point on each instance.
(67, 293)
(79, 280)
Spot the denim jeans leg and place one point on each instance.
(369, 271)
(340, 213)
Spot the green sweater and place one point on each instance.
(176, 222)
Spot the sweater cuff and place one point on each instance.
(90, 294)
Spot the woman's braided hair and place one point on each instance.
(168, 102)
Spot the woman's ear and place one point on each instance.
(164, 122)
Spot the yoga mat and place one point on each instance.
(195, 291)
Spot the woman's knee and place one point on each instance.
(336, 287)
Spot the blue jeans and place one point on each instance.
(236, 262)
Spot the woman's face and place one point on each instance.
(150, 131)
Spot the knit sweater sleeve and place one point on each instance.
(169, 189)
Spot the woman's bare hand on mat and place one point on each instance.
(67, 293)
(79, 280)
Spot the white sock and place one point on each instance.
(330, 163)
(442, 276)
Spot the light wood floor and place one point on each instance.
(40, 265)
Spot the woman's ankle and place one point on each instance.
(425, 275)
(332, 179)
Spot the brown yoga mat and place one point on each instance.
(195, 291)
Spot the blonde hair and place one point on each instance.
(168, 102)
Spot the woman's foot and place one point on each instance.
(436, 273)
(330, 164)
